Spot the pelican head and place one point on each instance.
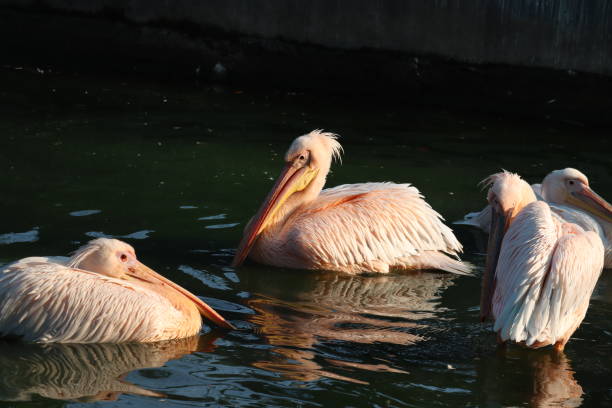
(307, 163)
(109, 257)
(116, 259)
(571, 187)
(508, 195)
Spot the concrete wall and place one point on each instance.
(561, 34)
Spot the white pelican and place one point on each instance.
(571, 199)
(102, 294)
(540, 271)
(367, 227)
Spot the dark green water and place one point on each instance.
(176, 172)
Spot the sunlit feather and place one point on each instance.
(48, 300)
(546, 269)
(367, 227)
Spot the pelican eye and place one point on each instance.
(123, 258)
(571, 182)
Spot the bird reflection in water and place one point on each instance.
(554, 384)
(515, 375)
(346, 309)
(85, 372)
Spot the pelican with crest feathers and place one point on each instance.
(571, 199)
(353, 228)
(102, 294)
(540, 271)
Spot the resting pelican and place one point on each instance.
(367, 227)
(540, 271)
(102, 294)
(571, 199)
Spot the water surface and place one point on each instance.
(176, 171)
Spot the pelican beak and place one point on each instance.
(293, 178)
(592, 202)
(143, 273)
(499, 225)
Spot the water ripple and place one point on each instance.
(210, 280)
(227, 306)
(144, 234)
(15, 237)
(84, 213)
(213, 217)
(222, 226)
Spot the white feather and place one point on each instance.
(49, 302)
(545, 276)
(356, 226)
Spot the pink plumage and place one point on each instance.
(571, 199)
(366, 227)
(103, 294)
(540, 271)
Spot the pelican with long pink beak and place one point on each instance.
(540, 271)
(352, 228)
(102, 294)
(571, 199)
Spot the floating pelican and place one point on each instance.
(368, 227)
(540, 271)
(103, 294)
(571, 199)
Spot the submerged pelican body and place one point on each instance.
(353, 228)
(540, 271)
(103, 294)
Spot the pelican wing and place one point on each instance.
(369, 223)
(588, 223)
(49, 302)
(62, 260)
(537, 189)
(567, 214)
(543, 277)
(574, 271)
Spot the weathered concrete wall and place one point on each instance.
(561, 34)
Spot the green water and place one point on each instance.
(177, 170)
